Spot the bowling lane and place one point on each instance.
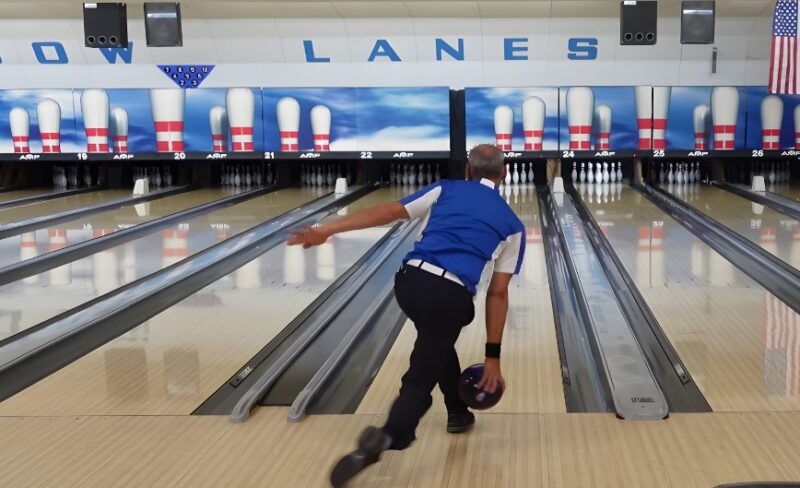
(22, 212)
(32, 300)
(173, 362)
(31, 244)
(31, 192)
(788, 190)
(775, 232)
(740, 343)
(530, 363)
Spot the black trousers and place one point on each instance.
(439, 309)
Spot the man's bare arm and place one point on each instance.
(383, 214)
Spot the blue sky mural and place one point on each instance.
(624, 125)
(28, 99)
(368, 119)
(141, 133)
(480, 105)
(680, 126)
(197, 128)
(754, 97)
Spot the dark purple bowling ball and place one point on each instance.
(475, 398)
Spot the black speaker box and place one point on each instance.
(638, 23)
(697, 22)
(105, 25)
(162, 22)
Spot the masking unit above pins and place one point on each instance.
(105, 25)
(638, 22)
(162, 22)
(697, 22)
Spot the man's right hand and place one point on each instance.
(492, 377)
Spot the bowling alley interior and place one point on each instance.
(157, 329)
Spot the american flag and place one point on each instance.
(783, 63)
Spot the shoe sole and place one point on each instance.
(356, 461)
(460, 430)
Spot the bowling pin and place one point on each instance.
(321, 127)
(580, 104)
(643, 98)
(218, 121)
(606, 176)
(166, 105)
(771, 119)
(797, 127)
(503, 125)
(515, 175)
(289, 123)
(48, 111)
(94, 105)
(679, 175)
(240, 105)
(508, 175)
(533, 112)
(700, 114)
(583, 172)
(530, 173)
(118, 119)
(661, 95)
(603, 115)
(590, 174)
(574, 174)
(19, 120)
(619, 171)
(724, 110)
(670, 175)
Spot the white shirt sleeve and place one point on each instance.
(419, 205)
(509, 255)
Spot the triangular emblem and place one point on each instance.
(187, 75)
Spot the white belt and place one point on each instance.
(433, 269)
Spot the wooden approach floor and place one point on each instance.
(505, 450)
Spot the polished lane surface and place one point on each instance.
(32, 192)
(31, 244)
(773, 231)
(30, 301)
(788, 190)
(39, 209)
(530, 363)
(740, 344)
(173, 362)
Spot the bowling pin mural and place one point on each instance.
(119, 129)
(771, 119)
(62, 275)
(218, 121)
(94, 106)
(700, 114)
(643, 97)
(724, 110)
(48, 111)
(105, 266)
(580, 108)
(797, 127)
(533, 112)
(241, 109)
(166, 104)
(661, 95)
(321, 127)
(28, 249)
(289, 123)
(19, 120)
(603, 120)
(503, 126)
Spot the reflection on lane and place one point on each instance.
(31, 244)
(17, 194)
(177, 359)
(38, 209)
(40, 297)
(531, 364)
(788, 190)
(740, 343)
(775, 232)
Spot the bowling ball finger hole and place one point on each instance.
(91, 39)
(650, 36)
(112, 39)
(101, 39)
(639, 36)
(628, 36)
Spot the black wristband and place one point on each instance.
(492, 349)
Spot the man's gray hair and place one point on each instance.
(486, 161)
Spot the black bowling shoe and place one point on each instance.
(371, 444)
(460, 422)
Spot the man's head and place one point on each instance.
(486, 161)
